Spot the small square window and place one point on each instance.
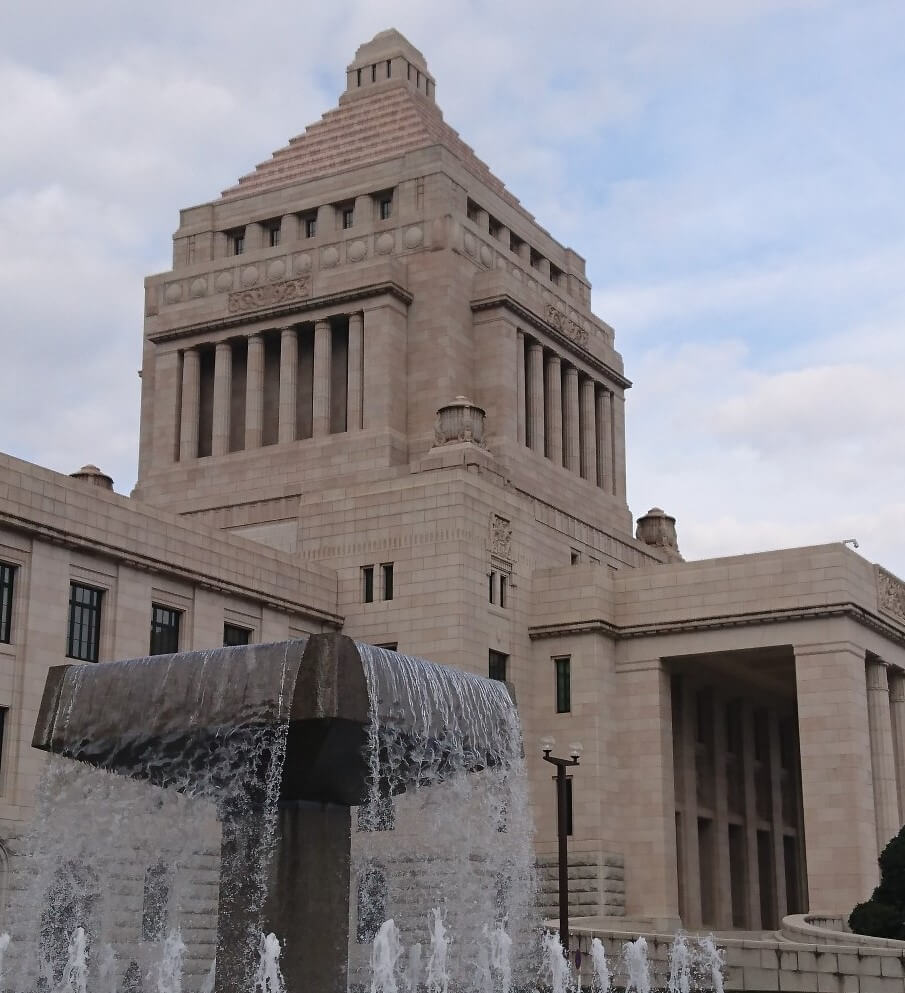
(386, 208)
(563, 685)
(387, 571)
(497, 664)
(238, 244)
(274, 236)
(83, 641)
(310, 227)
(165, 623)
(7, 578)
(233, 634)
(367, 584)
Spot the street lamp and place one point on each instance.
(561, 826)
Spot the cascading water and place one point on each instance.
(680, 965)
(637, 966)
(601, 979)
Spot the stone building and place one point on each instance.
(375, 397)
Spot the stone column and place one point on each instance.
(223, 377)
(840, 828)
(752, 869)
(520, 387)
(721, 870)
(254, 392)
(289, 229)
(896, 680)
(882, 752)
(191, 399)
(323, 344)
(289, 376)
(356, 353)
(604, 467)
(536, 397)
(617, 422)
(553, 407)
(571, 418)
(781, 900)
(588, 431)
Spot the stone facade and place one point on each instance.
(375, 397)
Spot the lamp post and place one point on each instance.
(561, 829)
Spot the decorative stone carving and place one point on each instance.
(486, 256)
(269, 296)
(571, 329)
(500, 537)
(302, 263)
(459, 421)
(249, 275)
(385, 243)
(357, 251)
(413, 237)
(173, 293)
(224, 281)
(276, 270)
(329, 257)
(468, 243)
(199, 287)
(890, 593)
(657, 529)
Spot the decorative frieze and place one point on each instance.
(565, 325)
(890, 593)
(269, 296)
(500, 537)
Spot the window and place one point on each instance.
(3, 712)
(238, 243)
(83, 642)
(504, 589)
(491, 587)
(390, 646)
(374, 73)
(154, 903)
(164, 630)
(367, 584)
(496, 667)
(471, 209)
(555, 275)
(563, 668)
(235, 635)
(358, 73)
(494, 227)
(348, 217)
(515, 243)
(310, 227)
(7, 575)
(389, 68)
(386, 208)
(274, 233)
(387, 571)
(574, 556)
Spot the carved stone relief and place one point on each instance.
(891, 593)
(269, 296)
(567, 326)
(500, 537)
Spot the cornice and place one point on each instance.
(509, 302)
(150, 563)
(298, 306)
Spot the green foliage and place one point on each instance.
(883, 915)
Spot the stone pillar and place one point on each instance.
(326, 219)
(191, 398)
(896, 680)
(588, 423)
(482, 219)
(254, 392)
(254, 236)
(840, 828)
(289, 375)
(752, 869)
(356, 354)
(323, 345)
(882, 752)
(721, 871)
(536, 397)
(604, 450)
(223, 378)
(289, 229)
(779, 860)
(571, 418)
(617, 422)
(553, 407)
(520, 387)
(691, 912)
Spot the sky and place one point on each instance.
(732, 170)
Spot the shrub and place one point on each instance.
(883, 915)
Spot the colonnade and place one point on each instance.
(272, 387)
(567, 416)
(886, 725)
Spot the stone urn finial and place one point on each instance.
(657, 529)
(459, 421)
(92, 475)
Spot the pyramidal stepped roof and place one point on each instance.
(388, 108)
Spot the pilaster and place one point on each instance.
(223, 372)
(553, 407)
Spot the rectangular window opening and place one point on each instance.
(389, 68)
(238, 243)
(165, 624)
(504, 589)
(367, 584)
(348, 217)
(497, 665)
(83, 641)
(491, 587)
(310, 227)
(386, 208)
(563, 684)
(233, 635)
(387, 573)
(274, 234)
(7, 580)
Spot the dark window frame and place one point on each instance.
(83, 638)
(348, 218)
(310, 227)
(7, 592)
(230, 633)
(274, 234)
(165, 630)
(563, 671)
(385, 208)
(239, 244)
(386, 580)
(497, 665)
(367, 584)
